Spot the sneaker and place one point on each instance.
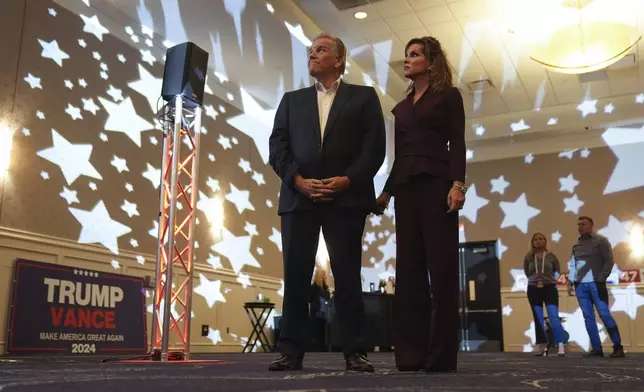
(562, 350)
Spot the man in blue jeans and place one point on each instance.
(592, 263)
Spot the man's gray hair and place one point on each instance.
(338, 46)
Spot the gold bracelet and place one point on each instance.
(462, 188)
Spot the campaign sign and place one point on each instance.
(67, 310)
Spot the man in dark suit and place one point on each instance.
(327, 144)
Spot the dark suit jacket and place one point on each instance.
(429, 138)
(353, 146)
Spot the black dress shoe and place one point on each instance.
(285, 363)
(359, 363)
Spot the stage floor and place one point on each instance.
(323, 372)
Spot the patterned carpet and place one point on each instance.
(323, 372)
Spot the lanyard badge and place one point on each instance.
(540, 283)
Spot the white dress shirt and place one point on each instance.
(325, 100)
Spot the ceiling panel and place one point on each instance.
(418, 5)
(621, 81)
(448, 32)
(598, 89)
(489, 104)
(404, 22)
(539, 91)
(369, 29)
(435, 15)
(406, 35)
(515, 98)
(567, 87)
(389, 8)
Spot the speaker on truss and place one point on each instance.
(184, 74)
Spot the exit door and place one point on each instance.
(480, 297)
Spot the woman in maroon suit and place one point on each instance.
(427, 181)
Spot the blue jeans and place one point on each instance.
(550, 296)
(596, 294)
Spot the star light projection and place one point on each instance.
(127, 131)
(626, 144)
(518, 213)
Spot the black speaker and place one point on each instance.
(184, 74)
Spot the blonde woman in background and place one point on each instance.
(319, 296)
(542, 270)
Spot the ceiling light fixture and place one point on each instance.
(360, 15)
(581, 36)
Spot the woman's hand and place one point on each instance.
(455, 200)
(382, 202)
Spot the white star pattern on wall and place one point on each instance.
(236, 250)
(299, 46)
(576, 327)
(276, 238)
(519, 126)
(530, 334)
(69, 195)
(572, 204)
(50, 50)
(240, 199)
(587, 107)
(388, 250)
(616, 231)
(99, 227)
(520, 280)
(568, 184)
(244, 280)
(518, 213)
(472, 204)
(148, 86)
(74, 112)
(33, 81)
(154, 176)
(626, 145)
(500, 248)
(123, 118)
(256, 122)
(214, 335)
(73, 159)
(498, 185)
(93, 26)
(90, 106)
(626, 300)
(210, 290)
